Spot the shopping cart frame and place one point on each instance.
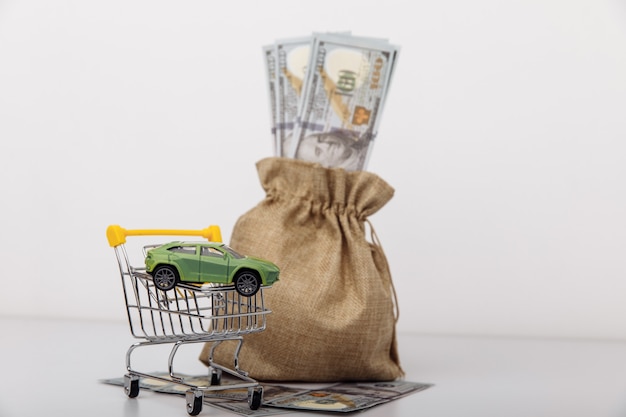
(186, 314)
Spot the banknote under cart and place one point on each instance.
(188, 313)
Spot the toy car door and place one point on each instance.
(187, 259)
(213, 265)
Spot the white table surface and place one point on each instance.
(54, 368)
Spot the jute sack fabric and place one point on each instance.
(333, 309)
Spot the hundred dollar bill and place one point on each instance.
(292, 60)
(348, 397)
(269, 57)
(344, 92)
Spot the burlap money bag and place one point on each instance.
(333, 310)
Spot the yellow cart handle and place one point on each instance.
(116, 235)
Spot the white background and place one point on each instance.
(504, 137)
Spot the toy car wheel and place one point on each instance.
(247, 283)
(165, 277)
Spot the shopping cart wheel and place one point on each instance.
(194, 401)
(255, 397)
(131, 385)
(216, 376)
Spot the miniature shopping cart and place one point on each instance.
(188, 313)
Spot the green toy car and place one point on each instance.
(200, 262)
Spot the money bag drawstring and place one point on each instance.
(379, 248)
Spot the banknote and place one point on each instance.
(348, 397)
(269, 59)
(292, 60)
(167, 386)
(342, 97)
(242, 408)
